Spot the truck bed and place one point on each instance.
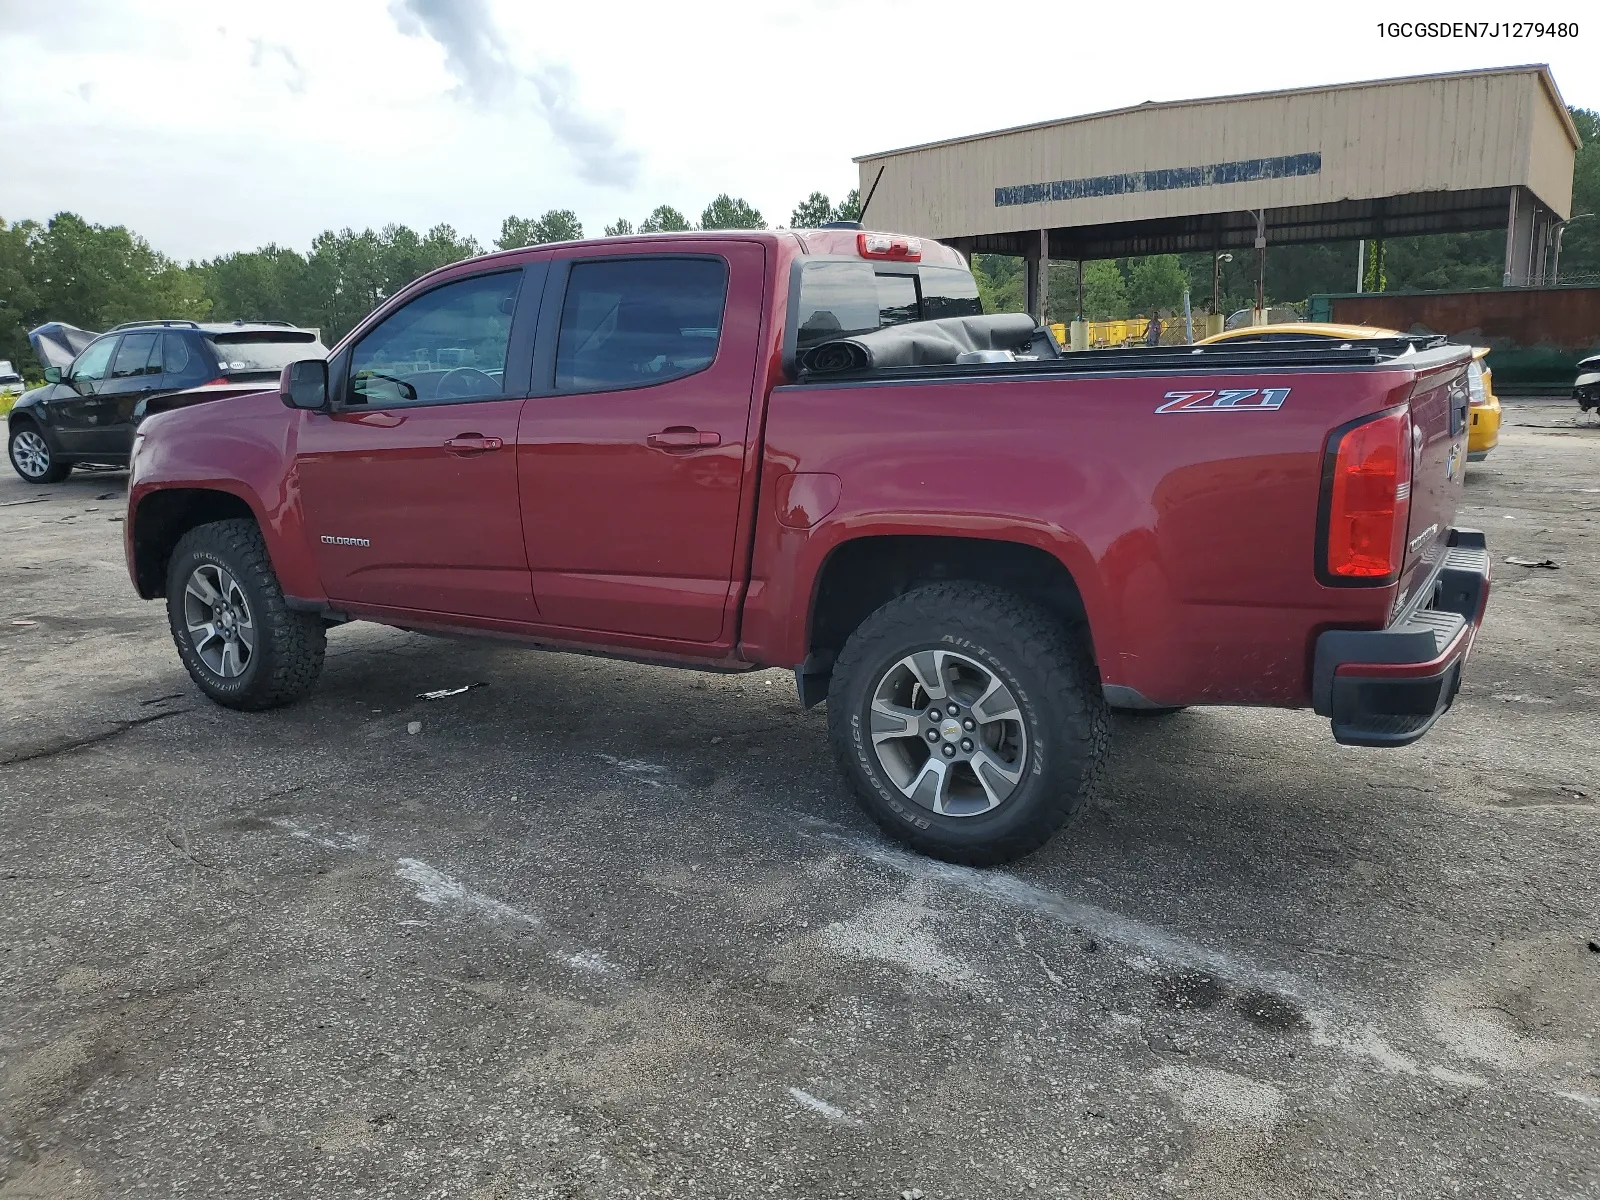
(1191, 529)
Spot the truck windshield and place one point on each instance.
(843, 298)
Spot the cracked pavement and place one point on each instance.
(600, 929)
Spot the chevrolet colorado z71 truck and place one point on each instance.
(810, 449)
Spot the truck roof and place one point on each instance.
(811, 242)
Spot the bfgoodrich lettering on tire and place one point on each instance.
(240, 642)
(969, 722)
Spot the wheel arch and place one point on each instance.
(29, 415)
(160, 520)
(859, 575)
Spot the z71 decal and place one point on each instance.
(1225, 399)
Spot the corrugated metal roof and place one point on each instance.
(1541, 69)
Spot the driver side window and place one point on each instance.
(91, 365)
(446, 345)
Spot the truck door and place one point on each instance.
(409, 483)
(631, 451)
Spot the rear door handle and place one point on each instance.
(472, 443)
(683, 437)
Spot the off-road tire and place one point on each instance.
(54, 473)
(1049, 672)
(290, 645)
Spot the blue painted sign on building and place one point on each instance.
(1248, 170)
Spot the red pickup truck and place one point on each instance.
(810, 449)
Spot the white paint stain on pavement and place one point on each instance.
(1153, 947)
(591, 962)
(637, 767)
(1363, 1041)
(822, 1107)
(1208, 1096)
(435, 887)
(1150, 948)
(352, 842)
(893, 931)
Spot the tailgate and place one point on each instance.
(1438, 402)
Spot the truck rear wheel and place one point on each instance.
(969, 722)
(240, 642)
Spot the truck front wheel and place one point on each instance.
(969, 721)
(240, 642)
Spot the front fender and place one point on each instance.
(245, 449)
(28, 404)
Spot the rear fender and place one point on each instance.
(779, 610)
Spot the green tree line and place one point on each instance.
(95, 276)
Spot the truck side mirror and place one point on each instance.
(304, 384)
(52, 374)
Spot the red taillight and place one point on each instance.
(888, 245)
(1370, 499)
(214, 382)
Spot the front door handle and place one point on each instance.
(472, 443)
(683, 437)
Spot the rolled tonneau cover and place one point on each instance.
(921, 343)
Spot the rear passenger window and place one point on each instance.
(134, 355)
(641, 321)
(174, 354)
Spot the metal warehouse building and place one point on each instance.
(1464, 151)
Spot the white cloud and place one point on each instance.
(475, 52)
(301, 115)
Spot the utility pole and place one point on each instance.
(1361, 264)
(1044, 274)
(1261, 262)
(1217, 322)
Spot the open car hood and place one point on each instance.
(56, 344)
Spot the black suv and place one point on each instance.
(87, 412)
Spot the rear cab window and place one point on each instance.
(845, 297)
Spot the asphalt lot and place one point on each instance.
(604, 930)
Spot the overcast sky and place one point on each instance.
(213, 127)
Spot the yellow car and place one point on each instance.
(1483, 433)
